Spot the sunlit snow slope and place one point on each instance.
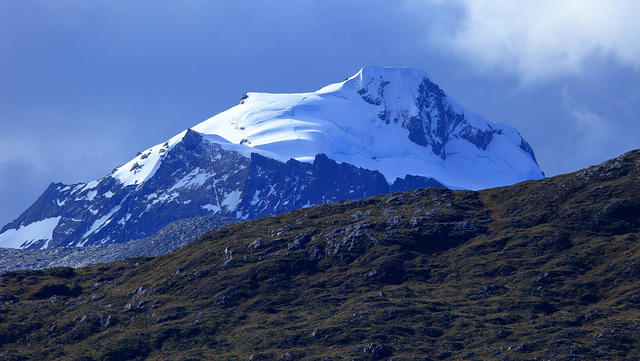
(394, 120)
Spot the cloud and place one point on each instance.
(591, 136)
(536, 40)
(594, 132)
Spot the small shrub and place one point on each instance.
(49, 290)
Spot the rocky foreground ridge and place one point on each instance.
(539, 270)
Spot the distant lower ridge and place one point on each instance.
(166, 240)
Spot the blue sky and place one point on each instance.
(85, 85)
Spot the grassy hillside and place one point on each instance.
(540, 270)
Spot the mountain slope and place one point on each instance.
(382, 130)
(543, 269)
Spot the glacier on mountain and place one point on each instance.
(393, 120)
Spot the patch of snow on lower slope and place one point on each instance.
(98, 224)
(36, 231)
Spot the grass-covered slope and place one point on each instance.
(540, 270)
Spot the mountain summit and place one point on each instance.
(382, 130)
(393, 120)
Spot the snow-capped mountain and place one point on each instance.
(382, 130)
